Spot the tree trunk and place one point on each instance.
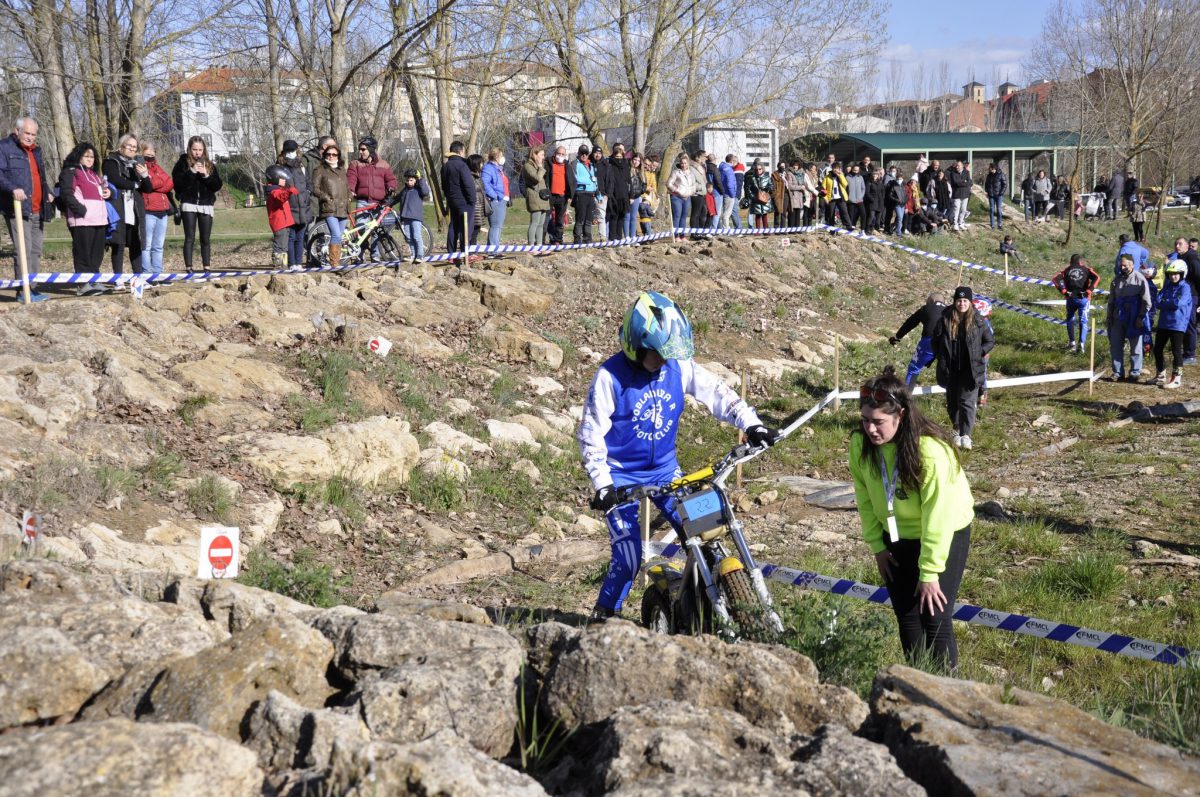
(46, 26)
(274, 75)
(132, 77)
(442, 82)
(339, 121)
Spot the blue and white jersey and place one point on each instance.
(631, 418)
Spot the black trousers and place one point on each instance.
(585, 205)
(133, 243)
(190, 222)
(923, 631)
(1139, 230)
(793, 219)
(558, 212)
(1161, 338)
(459, 229)
(699, 212)
(960, 405)
(87, 248)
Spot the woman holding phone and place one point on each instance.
(196, 185)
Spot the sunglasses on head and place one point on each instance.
(877, 395)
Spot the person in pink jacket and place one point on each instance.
(82, 194)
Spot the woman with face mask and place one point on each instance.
(495, 187)
(159, 205)
(301, 201)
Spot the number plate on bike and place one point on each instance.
(701, 512)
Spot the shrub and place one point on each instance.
(209, 498)
(305, 580)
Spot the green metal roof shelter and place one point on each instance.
(979, 149)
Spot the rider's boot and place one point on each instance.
(335, 255)
(599, 615)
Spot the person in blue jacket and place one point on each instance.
(1176, 305)
(1128, 302)
(23, 179)
(410, 207)
(630, 421)
(1139, 253)
(727, 190)
(927, 317)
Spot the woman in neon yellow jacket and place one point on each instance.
(916, 510)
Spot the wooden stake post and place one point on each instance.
(644, 522)
(19, 225)
(1091, 348)
(1006, 268)
(466, 240)
(837, 370)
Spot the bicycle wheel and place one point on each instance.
(385, 249)
(426, 240)
(318, 249)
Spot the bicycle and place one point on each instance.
(715, 588)
(366, 236)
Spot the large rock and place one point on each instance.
(509, 433)
(961, 737)
(287, 735)
(510, 339)
(287, 459)
(443, 764)
(658, 747)
(225, 376)
(416, 676)
(49, 396)
(585, 677)
(116, 758)
(377, 450)
(46, 676)
(108, 549)
(505, 294)
(141, 386)
(413, 344)
(446, 437)
(216, 688)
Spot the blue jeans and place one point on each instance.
(156, 233)
(1117, 335)
(1077, 307)
(995, 216)
(922, 357)
(337, 226)
(496, 221)
(412, 234)
(631, 223)
(625, 535)
(295, 250)
(681, 208)
(899, 219)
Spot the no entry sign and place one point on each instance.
(219, 555)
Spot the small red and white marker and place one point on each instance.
(218, 552)
(31, 527)
(785, 241)
(380, 345)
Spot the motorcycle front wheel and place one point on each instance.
(656, 612)
(744, 606)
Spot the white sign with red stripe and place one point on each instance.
(219, 554)
(380, 345)
(31, 527)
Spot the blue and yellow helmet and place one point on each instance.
(655, 322)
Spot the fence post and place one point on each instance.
(644, 522)
(466, 240)
(837, 370)
(1006, 268)
(19, 226)
(1091, 349)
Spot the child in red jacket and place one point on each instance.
(279, 212)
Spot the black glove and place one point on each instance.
(761, 435)
(604, 499)
(893, 340)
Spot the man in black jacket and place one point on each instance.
(927, 316)
(458, 186)
(873, 201)
(616, 188)
(994, 185)
(23, 179)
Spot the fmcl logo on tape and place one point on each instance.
(1003, 621)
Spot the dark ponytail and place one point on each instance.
(913, 426)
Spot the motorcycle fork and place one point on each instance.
(711, 590)
(756, 576)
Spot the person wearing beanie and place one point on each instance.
(927, 315)
(371, 180)
(961, 339)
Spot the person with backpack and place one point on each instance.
(1176, 307)
(927, 316)
(1076, 283)
(126, 171)
(82, 192)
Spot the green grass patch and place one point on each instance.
(112, 482)
(339, 492)
(188, 408)
(306, 579)
(210, 498)
(437, 492)
(848, 642)
(1089, 575)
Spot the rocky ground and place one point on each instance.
(444, 477)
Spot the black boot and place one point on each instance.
(599, 615)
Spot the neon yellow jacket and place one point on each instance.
(943, 506)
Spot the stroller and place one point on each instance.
(1093, 205)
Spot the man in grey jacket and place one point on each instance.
(856, 191)
(1126, 313)
(1116, 192)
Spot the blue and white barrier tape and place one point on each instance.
(1005, 621)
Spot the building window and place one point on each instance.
(202, 119)
(197, 101)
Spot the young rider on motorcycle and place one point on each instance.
(631, 418)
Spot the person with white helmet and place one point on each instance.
(1176, 306)
(630, 421)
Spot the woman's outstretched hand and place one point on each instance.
(931, 598)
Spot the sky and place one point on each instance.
(983, 39)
